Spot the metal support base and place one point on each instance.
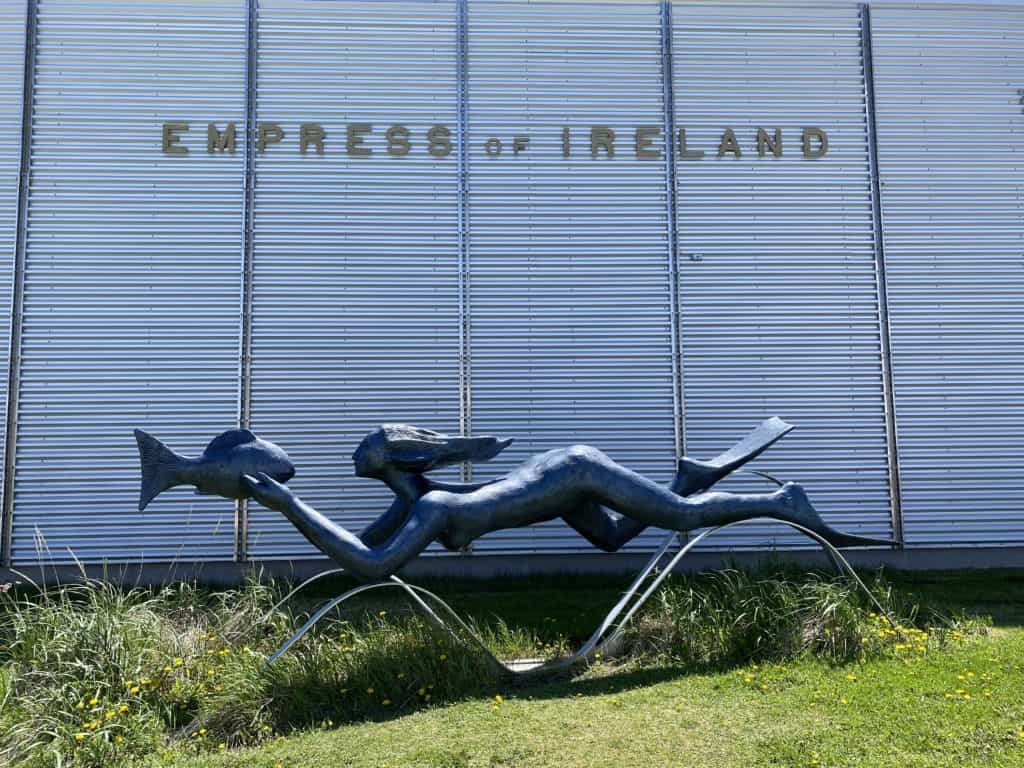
(598, 642)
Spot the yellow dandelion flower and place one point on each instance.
(202, 731)
(80, 705)
(444, 656)
(382, 613)
(93, 701)
(843, 700)
(178, 661)
(118, 739)
(851, 677)
(386, 702)
(960, 677)
(134, 689)
(108, 714)
(369, 690)
(80, 736)
(123, 708)
(167, 669)
(499, 699)
(222, 745)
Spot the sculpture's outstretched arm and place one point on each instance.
(424, 524)
(381, 529)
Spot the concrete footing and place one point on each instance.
(489, 566)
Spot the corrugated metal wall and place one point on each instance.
(951, 156)
(132, 277)
(777, 271)
(356, 284)
(569, 293)
(549, 315)
(12, 63)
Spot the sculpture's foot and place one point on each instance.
(798, 509)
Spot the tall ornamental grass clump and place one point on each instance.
(730, 616)
(93, 674)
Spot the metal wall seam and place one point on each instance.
(355, 301)
(949, 116)
(245, 339)
(131, 262)
(780, 314)
(885, 331)
(678, 405)
(569, 244)
(18, 287)
(462, 148)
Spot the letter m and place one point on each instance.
(217, 141)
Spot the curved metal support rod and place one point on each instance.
(832, 551)
(320, 614)
(297, 589)
(594, 644)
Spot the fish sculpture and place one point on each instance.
(218, 472)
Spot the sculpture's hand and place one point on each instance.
(268, 492)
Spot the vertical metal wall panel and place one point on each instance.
(950, 122)
(778, 296)
(570, 292)
(12, 62)
(132, 277)
(356, 291)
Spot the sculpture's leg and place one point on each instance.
(595, 477)
(603, 528)
(610, 531)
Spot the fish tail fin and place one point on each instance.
(160, 467)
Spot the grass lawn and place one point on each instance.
(960, 706)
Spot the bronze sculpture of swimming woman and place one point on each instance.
(605, 502)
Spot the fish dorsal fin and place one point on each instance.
(228, 440)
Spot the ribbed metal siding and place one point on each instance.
(779, 314)
(951, 155)
(12, 61)
(132, 279)
(356, 301)
(569, 293)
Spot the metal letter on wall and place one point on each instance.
(778, 295)
(131, 277)
(951, 158)
(355, 301)
(570, 271)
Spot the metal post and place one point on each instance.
(891, 436)
(18, 287)
(245, 347)
(668, 102)
(462, 155)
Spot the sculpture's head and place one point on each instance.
(411, 449)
